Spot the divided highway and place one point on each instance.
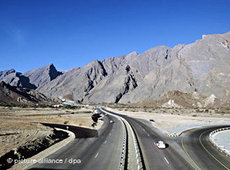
(192, 150)
(154, 157)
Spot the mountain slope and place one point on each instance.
(43, 75)
(6, 73)
(11, 94)
(77, 82)
(31, 79)
(201, 67)
(17, 79)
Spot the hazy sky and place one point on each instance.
(72, 33)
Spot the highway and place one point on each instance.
(154, 157)
(191, 150)
(102, 152)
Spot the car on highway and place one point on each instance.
(111, 121)
(160, 144)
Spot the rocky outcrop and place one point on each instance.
(78, 81)
(31, 79)
(43, 75)
(19, 80)
(11, 94)
(6, 73)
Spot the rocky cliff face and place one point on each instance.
(19, 80)
(31, 79)
(43, 75)
(77, 82)
(202, 67)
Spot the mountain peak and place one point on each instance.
(6, 72)
(42, 75)
(133, 53)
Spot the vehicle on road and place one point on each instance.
(160, 144)
(111, 121)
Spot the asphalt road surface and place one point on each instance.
(192, 150)
(154, 157)
(102, 152)
(198, 147)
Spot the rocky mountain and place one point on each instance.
(31, 79)
(41, 76)
(77, 82)
(15, 95)
(17, 79)
(6, 72)
(202, 67)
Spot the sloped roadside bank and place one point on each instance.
(31, 148)
(72, 133)
(19, 126)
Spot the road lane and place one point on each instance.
(94, 153)
(155, 156)
(195, 151)
(197, 145)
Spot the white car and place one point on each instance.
(111, 121)
(160, 144)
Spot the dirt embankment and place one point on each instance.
(21, 134)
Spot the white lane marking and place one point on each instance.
(166, 160)
(105, 141)
(96, 155)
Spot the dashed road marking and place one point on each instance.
(166, 160)
(96, 155)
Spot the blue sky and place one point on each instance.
(72, 33)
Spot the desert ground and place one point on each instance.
(174, 121)
(20, 126)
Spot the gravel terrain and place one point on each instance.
(20, 127)
(174, 121)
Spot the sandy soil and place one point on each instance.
(20, 125)
(175, 121)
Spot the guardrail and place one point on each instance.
(128, 150)
(124, 152)
(219, 147)
(139, 154)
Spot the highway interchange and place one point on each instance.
(110, 150)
